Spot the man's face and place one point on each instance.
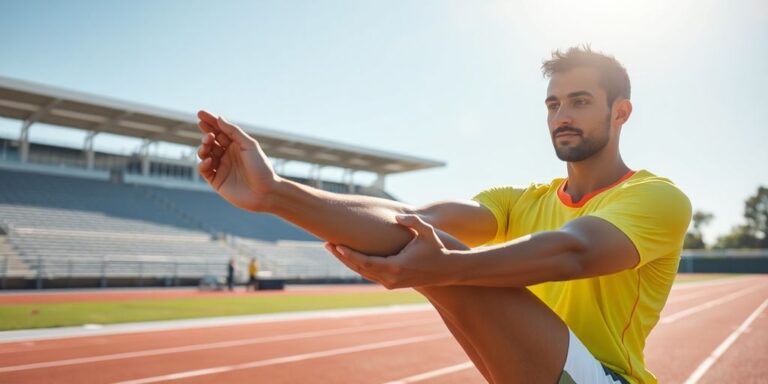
(578, 114)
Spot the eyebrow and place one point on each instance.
(570, 95)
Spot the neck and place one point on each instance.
(598, 171)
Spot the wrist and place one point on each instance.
(272, 196)
(457, 264)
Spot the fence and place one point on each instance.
(106, 271)
(725, 261)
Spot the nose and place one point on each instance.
(562, 117)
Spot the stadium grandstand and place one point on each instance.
(86, 217)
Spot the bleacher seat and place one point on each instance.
(61, 226)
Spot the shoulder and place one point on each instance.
(530, 190)
(648, 195)
(648, 186)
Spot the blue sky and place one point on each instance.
(456, 81)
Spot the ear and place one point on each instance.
(622, 108)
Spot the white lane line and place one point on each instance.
(220, 344)
(290, 359)
(690, 311)
(435, 373)
(689, 296)
(720, 350)
(707, 283)
(683, 296)
(155, 326)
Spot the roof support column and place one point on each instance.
(24, 141)
(195, 174)
(88, 148)
(349, 178)
(144, 154)
(379, 182)
(279, 166)
(314, 176)
(24, 135)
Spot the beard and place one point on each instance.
(581, 147)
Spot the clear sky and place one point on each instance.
(456, 81)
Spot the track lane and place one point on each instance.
(365, 367)
(678, 343)
(122, 369)
(28, 352)
(675, 350)
(745, 360)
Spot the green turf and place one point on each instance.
(693, 277)
(27, 316)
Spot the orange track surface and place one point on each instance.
(382, 348)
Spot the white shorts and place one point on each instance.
(582, 368)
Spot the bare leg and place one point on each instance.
(469, 349)
(514, 335)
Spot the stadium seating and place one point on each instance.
(214, 214)
(301, 260)
(62, 227)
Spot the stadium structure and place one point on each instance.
(84, 217)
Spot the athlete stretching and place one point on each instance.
(572, 274)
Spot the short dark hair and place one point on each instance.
(613, 75)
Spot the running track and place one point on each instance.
(711, 332)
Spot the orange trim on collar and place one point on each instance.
(566, 198)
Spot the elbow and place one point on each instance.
(573, 259)
(569, 268)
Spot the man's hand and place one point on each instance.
(234, 164)
(424, 261)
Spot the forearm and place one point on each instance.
(529, 260)
(364, 223)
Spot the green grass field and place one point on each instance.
(28, 316)
(694, 277)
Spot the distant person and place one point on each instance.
(253, 269)
(572, 273)
(231, 275)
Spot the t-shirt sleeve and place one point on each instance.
(500, 200)
(654, 215)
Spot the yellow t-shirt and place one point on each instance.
(611, 314)
(253, 267)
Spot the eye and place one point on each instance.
(552, 106)
(580, 102)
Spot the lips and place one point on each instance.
(566, 134)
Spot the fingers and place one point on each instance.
(352, 266)
(219, 136)
(209, 124)
(235, 133)
(210, 152)
(206, 116)
(373, 263)
(210, 148)
(206, 170)
(415, 222)
(332, 249)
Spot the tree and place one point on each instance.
(753, 234)
(694, 239)
(739, 237)
(756, 213)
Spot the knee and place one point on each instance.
(467, 303)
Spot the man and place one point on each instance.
(231, 275)
(253, 269)
(573, 273)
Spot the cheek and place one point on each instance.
(551, 120)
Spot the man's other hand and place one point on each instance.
(425, 261)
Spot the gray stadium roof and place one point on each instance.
(32, 102)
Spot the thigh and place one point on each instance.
(519, 338)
